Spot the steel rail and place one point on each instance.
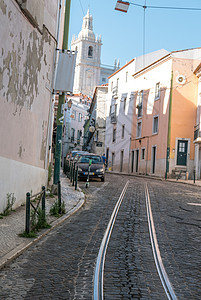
(99, 268)
(156, 252)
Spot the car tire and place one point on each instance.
(102, 179)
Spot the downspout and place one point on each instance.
(169, 128)
(52, 98)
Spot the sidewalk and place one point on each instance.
(12, 225)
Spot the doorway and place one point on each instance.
(182, 149)
(153, 159)
(137, 161)
(132, 161)
(121, 160)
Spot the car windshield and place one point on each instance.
(95, 159)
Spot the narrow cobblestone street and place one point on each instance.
(61, 265)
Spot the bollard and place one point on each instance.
(76, 177)
(194, 176)
(27, 225)
(59, 196)
(73, 175)
(71, 172)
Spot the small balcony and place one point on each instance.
(197, 134)
(115, 92)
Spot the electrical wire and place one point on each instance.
(165, 7)
(81, 7)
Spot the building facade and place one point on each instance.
(29, 36)
(94, 137)
(165, 107)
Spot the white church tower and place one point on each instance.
(88, 69)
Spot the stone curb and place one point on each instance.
(8, 258)
(153, 177)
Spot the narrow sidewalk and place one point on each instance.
(12, 225)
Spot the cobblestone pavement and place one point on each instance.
(61, 265)
(14, 224)
(177, 215)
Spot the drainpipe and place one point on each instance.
(169, 129)
(57, 165)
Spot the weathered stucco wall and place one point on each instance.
(26, 67)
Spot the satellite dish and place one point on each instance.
(92, 129)
(181, 79)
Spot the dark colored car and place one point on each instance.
(97, 167)
(78, 154)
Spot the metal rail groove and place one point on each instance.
(156, 252)
(99, 269)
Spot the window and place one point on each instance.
(139, 129)
(117, 87)
(139, 104)
(155, 125)
(124, 103)
(114, 135)
(74, 115)
(78, 137)
(90, 51)
(80, 117)
(72, 135)
(126, 76)
(157, 91)
(143, 153)
(122, 132)
(103, 79)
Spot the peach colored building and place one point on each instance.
(165, 108)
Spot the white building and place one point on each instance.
(95, 141)
(74, 118)
(28, 40)
(88, 71)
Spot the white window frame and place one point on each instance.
(157, 91)
(154, 118)
(140, 97)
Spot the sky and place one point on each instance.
(124, 35)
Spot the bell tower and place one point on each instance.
(88, 62)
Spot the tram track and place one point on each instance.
(99, 269)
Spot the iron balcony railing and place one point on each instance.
(197, 132)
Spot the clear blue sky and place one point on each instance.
(122, 33)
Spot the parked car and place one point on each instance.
(78, 154)
(97, 167)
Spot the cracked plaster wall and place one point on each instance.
(26, 65)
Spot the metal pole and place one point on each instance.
(57, 164)
(76, 178)
(27, 225)
(73, 174)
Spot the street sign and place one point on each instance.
(122, 6)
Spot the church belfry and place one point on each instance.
(88, 62)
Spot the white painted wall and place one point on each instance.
(26, 69)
